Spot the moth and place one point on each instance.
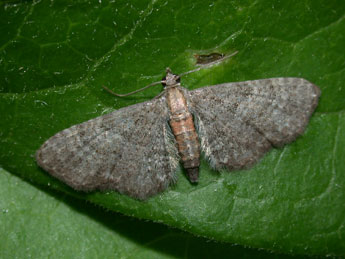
(136, 150)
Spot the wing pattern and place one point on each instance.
(126, 150)
(239, 122)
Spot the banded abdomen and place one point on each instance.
(182, 125)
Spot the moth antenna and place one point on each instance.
(210, 64)
(134, 92)
(169, 71)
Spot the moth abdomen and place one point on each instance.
(182, 125)
(188, 145)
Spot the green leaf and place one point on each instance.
(40, 224)
(55, 56)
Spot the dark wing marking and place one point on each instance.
(239, 122)
(125, 150)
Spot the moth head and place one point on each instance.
(170, 79)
